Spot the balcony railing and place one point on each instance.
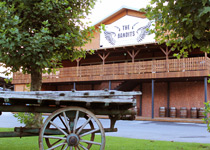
(185, 67)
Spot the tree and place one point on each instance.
(36, 35)
(182, 24)
(206, 118)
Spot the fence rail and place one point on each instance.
(198, 66)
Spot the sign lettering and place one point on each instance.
(126, 31)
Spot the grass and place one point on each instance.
(112, 143)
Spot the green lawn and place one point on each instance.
(112, 143)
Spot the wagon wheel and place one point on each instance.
(50, 143)
(73, 131)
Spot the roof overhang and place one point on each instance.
(115, 13)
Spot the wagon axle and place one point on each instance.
(72, 139)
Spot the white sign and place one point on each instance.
(127, 31)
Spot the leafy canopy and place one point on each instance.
(182, 24)
(38, 34)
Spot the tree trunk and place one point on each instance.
(36, 84)
(36, 80)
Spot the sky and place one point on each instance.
(104, 8)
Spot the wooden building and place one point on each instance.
(135, 64)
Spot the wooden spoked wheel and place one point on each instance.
(52, 143)
(78, 127)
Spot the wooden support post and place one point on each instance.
(74, 85)
(168, 99)
(104, 56)
(206, 55)
(140, 101)
(110, 85)
(205, 88)
(78, 60)
(153, 98)
(133, 54)
(166, 52)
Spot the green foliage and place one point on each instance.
(182, 24)
(38, 35)
(206, 114)
(8, 80)
(102, 28)
(26, 118)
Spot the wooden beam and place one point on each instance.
(169, 51)
(166, 52)
(133, 54)
(163, 50)
(107, 55)
(137, 53)
(104, 56)
(100, 56)
(130, 54)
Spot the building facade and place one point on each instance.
(127, 58)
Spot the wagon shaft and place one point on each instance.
(22, 132)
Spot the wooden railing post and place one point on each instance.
(103, 57)
(78, 60)
(125, 68)
(166, 52)
(133, 55)
(206, 57)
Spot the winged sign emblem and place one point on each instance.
(142, 32)
(110, 37)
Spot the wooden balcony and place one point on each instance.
(172, 68)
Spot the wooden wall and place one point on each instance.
(79, 87)
(160, 98)
(187, 94)
(21, 87)
(182, 94)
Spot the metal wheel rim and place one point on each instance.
(65, 145)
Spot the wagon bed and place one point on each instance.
(70, 108)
